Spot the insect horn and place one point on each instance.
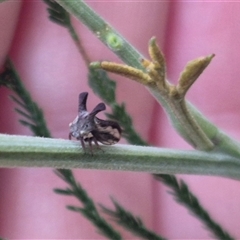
(82, 102)
(100, 107)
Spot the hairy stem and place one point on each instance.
(22, 151)
(103, 31)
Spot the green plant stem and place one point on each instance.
(79, 45)
(103, 31)
(132, 57)
(23, 151)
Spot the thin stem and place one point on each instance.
(22, 151)
(79, 45)
(103, 31)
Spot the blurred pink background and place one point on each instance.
(54, 73)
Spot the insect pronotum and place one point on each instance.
(86, 127)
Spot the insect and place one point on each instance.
(86, 127)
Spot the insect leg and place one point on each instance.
(83, 144)
(90, 145)
(96, 143)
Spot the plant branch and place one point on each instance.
(173, 96)
(103, 31)
(22, 151)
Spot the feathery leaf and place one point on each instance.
(183, 195)
(130, 222)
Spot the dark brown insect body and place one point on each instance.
(86, 127)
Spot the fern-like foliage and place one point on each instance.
(32, 115)
(102, 85)
(130, 222)
(89, 209)
(60, 16)
(57, 13)
(183, 195)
